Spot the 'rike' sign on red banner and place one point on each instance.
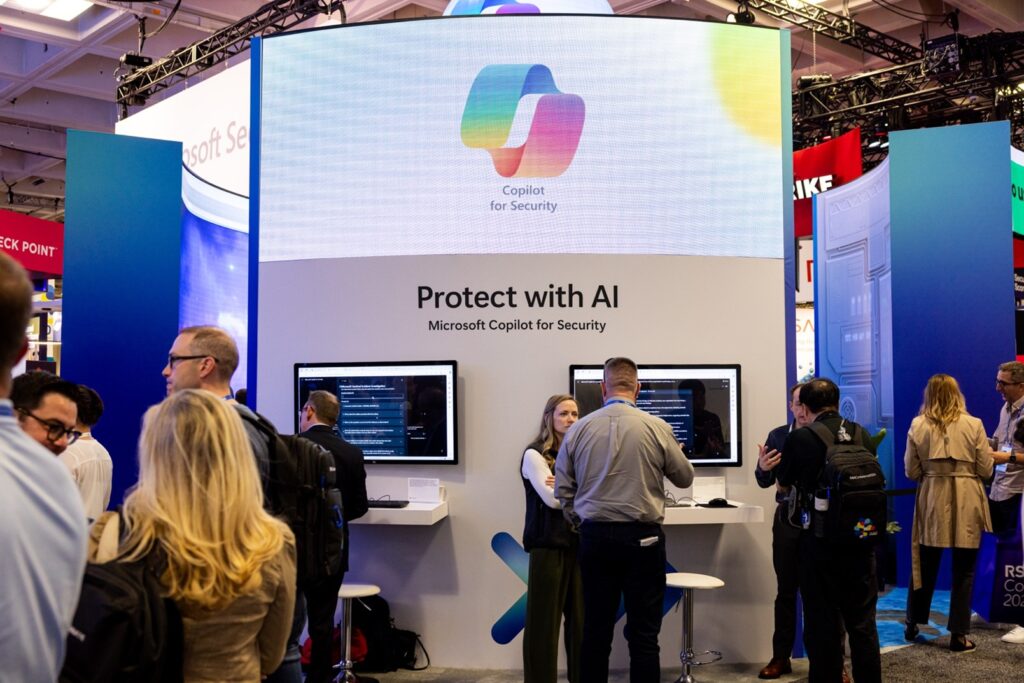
(34, 243)
(821, 168)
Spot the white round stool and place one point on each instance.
(346, 594)
(689, 583)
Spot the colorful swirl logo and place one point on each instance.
(554, 132)
(475, 7)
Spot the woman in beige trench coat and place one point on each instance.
(949, 455)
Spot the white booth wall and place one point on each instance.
(444, 581)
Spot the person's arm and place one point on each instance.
(353, 490)
(768, 457)
(535, 468)
(678, 469)
(787, 469)
(983, 461)
(565, 481)
(272, 640)
(912, 459)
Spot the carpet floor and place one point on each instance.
(925, 661)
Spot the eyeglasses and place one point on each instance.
(55, 431)
(172, 359)
(1002, 385)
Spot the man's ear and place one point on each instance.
(637, 392)
(206, 367)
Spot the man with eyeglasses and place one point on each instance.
(42, 523)
(205, 357)
(46, 409)
(1008, 482)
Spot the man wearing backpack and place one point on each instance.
(316, 421)
(837, 572)
(42, 523)
(205, 357)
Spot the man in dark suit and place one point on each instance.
(316, 423)
(785, 544)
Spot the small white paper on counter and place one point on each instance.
(706, 488)
(426, 490)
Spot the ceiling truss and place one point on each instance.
(137, 86)
(979, 85)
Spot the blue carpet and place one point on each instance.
(892, 610)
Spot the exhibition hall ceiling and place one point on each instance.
(57, 74)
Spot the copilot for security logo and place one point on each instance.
(554, 132)
(474, 7)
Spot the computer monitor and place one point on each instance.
(397, 413)
(700, 402)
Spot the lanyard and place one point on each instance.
(1011, 422)
(619, 400)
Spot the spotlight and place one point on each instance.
(742, 15)
(135, 61)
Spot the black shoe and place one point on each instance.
(959, 643)
(911, 632)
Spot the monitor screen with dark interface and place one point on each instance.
(700, 402)
(402, 413)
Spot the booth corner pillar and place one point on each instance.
(122, 272)
(952, 276)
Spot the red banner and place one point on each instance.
(820, 168)
(34, 243)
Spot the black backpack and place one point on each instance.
(851, 487)
(302, 490)
(124, 629)
(387, 648)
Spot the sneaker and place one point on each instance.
(1015, 636)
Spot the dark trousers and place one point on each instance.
(919, 602)
(614, 564)
(321, 601)
(1005, 514)
(786, 558)
(554, 590)
(839, 585)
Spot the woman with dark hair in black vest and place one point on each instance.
(554, 588)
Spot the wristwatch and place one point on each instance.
(1013, 456)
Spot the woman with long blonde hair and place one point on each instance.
(554, 587)
(227, 564)
(949, 454)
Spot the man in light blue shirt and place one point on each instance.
(42, 523)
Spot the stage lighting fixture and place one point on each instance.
(742, 15)
(135, 61)
(810, 80)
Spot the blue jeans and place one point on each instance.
(614, 564)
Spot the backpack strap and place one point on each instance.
(823, 433)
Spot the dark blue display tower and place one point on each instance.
(952, 275)
(122, 269)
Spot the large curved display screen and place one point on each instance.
(521, 134)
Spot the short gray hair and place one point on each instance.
(1015, 368)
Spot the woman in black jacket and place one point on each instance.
(554, 587)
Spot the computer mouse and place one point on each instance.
(718, 503)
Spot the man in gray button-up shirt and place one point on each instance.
(609, 476)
